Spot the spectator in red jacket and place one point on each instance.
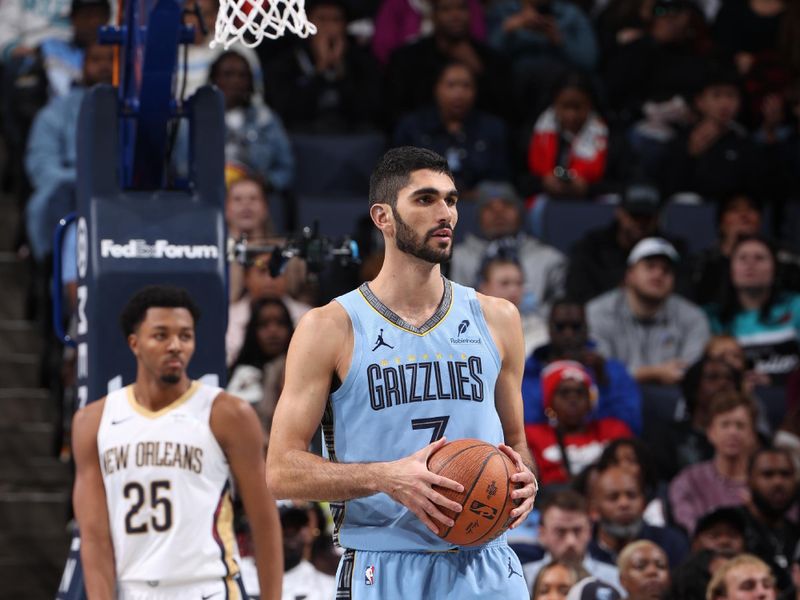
(569, 144)
(570, 442)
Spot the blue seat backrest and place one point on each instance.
(565, 222)
(335, 164)
(337, 215)
(696, 223)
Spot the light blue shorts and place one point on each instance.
(490, 571)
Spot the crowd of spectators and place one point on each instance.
(629, 335)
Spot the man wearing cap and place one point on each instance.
(718, 536)
(501, 235)
(655, 332)
(597, 261)
(721, 530)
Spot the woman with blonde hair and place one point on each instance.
(745, 573)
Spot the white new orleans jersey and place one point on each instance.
(168, 490)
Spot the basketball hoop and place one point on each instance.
(259, 19)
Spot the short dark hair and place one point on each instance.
(575, 80)
(566, 301)
(567, 500)
(488, 265)
(725, 204)
(643, 456)
(394, 169)
(602, 470)
(727, 401)
(762, 450)
(155, 296)
(451, 63)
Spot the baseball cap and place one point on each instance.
(652, 246)
(497, 190)
(729, 515)
(592, 588)
(641, 199)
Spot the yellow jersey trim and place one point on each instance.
(416, 333)
(155, 414)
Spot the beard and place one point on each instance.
(409, 242)
(651, 300)
(293, 549)
(170, 378)
(769, 509)
(620, 531)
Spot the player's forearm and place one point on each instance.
(304, 476)
(266, 529)
(97, 558)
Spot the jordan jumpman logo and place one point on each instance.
(379, 342)
(511, 570)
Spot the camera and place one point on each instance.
(316, 250)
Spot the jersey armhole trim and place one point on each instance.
(356, 357)
(480, 319)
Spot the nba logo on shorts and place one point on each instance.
(369, 575)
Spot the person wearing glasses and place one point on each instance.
(618, 395)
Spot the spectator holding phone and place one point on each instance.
(568, 147)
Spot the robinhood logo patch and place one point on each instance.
(462, 337)
(158, 249)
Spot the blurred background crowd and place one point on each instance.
(629, 173)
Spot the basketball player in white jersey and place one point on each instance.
(401, 361)
(154, 468)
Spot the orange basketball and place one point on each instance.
(485, 472)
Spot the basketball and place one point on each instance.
(485, 472)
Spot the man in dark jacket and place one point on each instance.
(598, 260)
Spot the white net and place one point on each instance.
(250, 21)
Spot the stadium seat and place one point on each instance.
(467, 219)
(564, 223)
(658, 405)
(335, 164)
(772, 400)
(696, 223)
(336, 215)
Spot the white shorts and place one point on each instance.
(230, 588)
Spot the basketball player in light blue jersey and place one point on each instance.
(391, 370)
(154, 464)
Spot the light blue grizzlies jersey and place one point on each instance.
(406, 387)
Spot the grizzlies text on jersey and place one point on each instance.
(406, 387)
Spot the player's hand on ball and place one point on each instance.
(409, 482)
(526, 493)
